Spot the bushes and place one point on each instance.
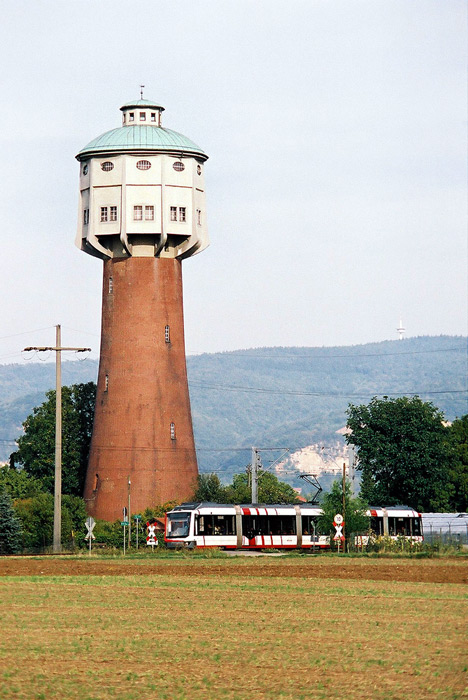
(10, 527)
(37, 519)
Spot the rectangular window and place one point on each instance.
(131, 117)
(113, 214)
(167, 336)
(173, 213)
(103, 213)
(215, 525)
(149, 213)
(181, 213)
(111, 285)
(137, 213)
(86, 217)
(199, 217)
(173, 431)
(106, 383)
(142, 116)
(309, 523)
(153, 116)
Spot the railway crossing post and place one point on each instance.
(338, 522)
(151, 538)
(90, 523)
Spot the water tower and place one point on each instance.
(142, 211)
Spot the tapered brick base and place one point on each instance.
(142, 423)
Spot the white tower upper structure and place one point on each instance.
(142, 190)
(401, 330)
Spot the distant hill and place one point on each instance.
(273, 397)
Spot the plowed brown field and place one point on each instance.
(431, 571)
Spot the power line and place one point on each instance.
(15, 335)
(258, 355)
(347, 395)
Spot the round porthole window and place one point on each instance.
(199, 169)
(179, 166)
(107, 166)
(85, 169)
(143, 165)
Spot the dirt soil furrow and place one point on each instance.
(444, 571)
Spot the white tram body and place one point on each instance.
(395, 522)
(275, 526)
(244, 526)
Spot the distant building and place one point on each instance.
(142, 211)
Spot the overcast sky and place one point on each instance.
(337, 172)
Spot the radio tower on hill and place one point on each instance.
(401, 330)
(142, 211)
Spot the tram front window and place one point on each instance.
(178, 524)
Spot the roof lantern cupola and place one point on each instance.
(141, 113)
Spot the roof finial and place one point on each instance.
(141, 91)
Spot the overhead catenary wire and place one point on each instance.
(15, 335)
(240, 353)
(346, 395)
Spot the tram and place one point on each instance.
(272, 526)
(396, 521)
(244, 526)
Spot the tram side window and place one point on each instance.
(398, 527)
(283, 525)
(223, 524)
(309, 524)
(401, 526)
(376, 525)
(215, 525)
(261, 525)
(416, 527)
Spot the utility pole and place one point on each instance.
(129, 511)
(254, 473)
(58, 349)
(352, 467)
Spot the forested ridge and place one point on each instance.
(282, 396)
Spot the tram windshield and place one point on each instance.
(178, 524)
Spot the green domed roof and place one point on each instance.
(142, 103)
(140, 138)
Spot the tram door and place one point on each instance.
(250, 528)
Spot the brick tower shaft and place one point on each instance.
(142, 423)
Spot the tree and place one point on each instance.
(458, 474)
(354, 515)
(209, 488)
(37, 518)
(270, 489)
(18, 483)
(404, 452)
(36, 448)
(10, 527)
